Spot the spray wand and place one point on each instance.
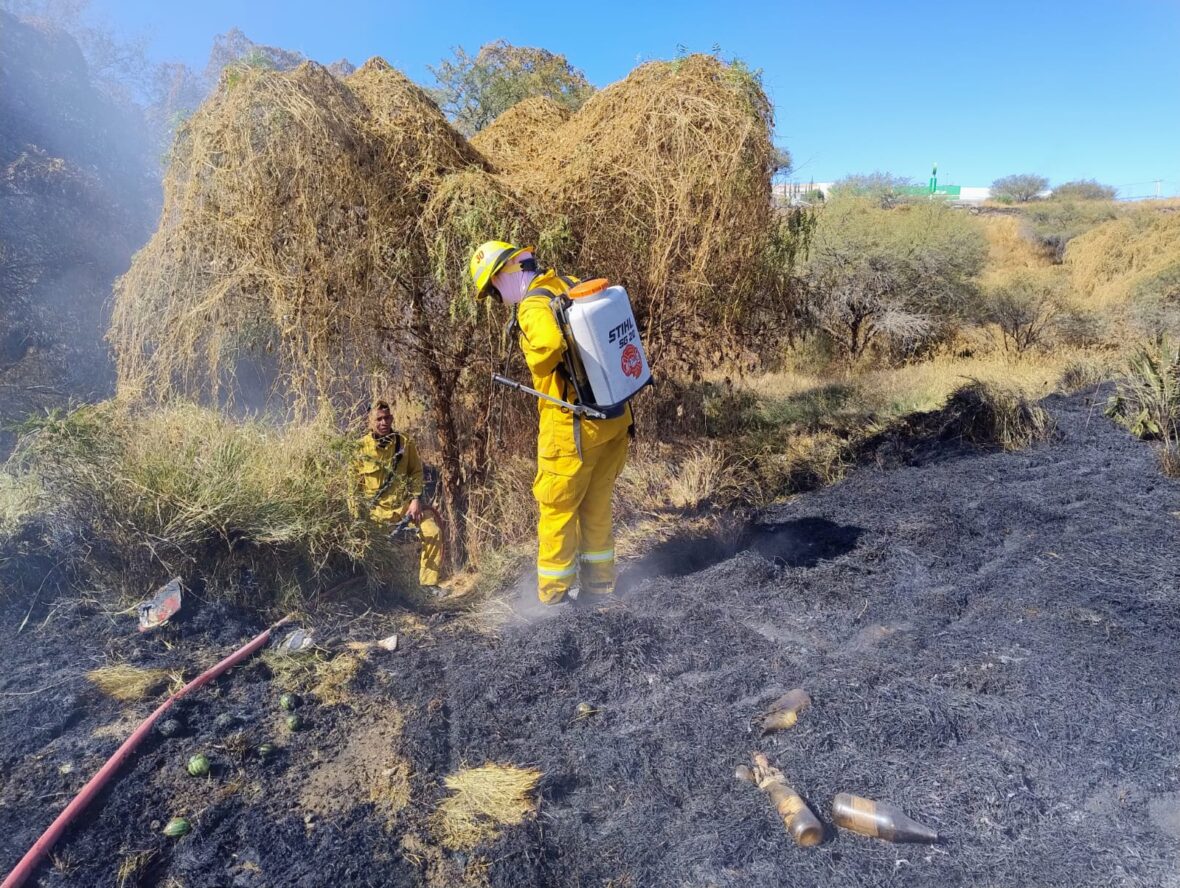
(576, 409)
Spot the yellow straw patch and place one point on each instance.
(483, 800)
(128, 683)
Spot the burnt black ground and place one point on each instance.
(990, 641)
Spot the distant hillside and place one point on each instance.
(79, 193)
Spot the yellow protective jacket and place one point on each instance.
(374, 463)
(543, 346)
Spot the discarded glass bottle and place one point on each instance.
(784, 712)
(880, 820)
(803, 826)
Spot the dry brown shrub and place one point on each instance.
(268, 239)
(327, 224)
(418, 142)
(514, 141)
(664, 178)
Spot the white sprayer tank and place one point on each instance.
(607, 338)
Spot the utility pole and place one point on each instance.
(1157, 188)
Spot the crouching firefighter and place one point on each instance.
(581, 444)
(388, 484)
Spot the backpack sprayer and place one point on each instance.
(603, 359)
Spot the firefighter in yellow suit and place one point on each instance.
(388, 482)
(578, 459)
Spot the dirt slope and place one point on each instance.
(79, 193)
(990, 641)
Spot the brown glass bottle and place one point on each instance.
(878, 819)
(803, 826)
(784, 712)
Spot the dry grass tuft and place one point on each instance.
(1107, 263)
(1083, 373)
(334, 678)
(329, 678)
(1169, 457)
(661, 481)
(260, 513)
(20, 497)
(988, 414)
(128, 683)
(133, 867)
(483, 800)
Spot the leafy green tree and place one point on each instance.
(884, 189)
(475, 90)
(898, 279)
(234, 47)
(1020, 187)
(1084, 189)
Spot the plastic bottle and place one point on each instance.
(878, 819)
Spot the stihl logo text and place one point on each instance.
(623, 333)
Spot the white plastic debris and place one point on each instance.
(298, 642)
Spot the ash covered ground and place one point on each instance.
(990, 641)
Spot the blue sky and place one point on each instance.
(1070, 90)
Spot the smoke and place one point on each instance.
(78, 195)
(87, 120)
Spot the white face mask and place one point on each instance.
(513, 285)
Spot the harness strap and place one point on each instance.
(397, 458)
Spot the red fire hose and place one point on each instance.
(41, 847)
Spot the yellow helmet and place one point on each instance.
(488, 259)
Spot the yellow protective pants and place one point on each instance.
(430, 535)
(575, 521)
